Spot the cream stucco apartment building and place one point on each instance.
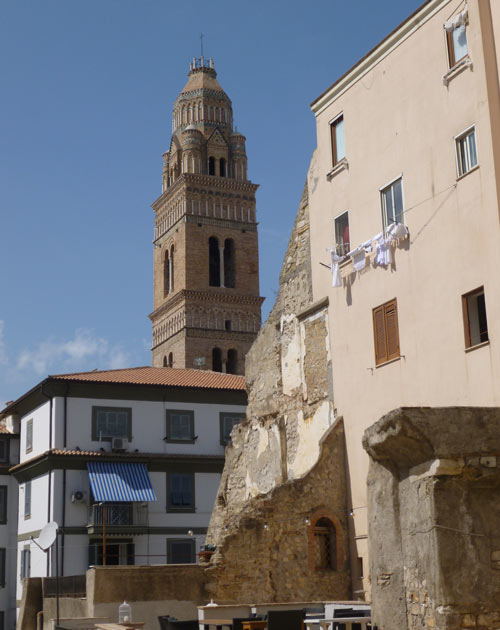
(410, 135)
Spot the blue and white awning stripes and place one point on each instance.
(120, 481)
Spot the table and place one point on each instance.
(137, 625)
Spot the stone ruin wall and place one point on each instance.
(285, 467)
(434, 518)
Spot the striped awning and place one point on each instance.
(120, 481)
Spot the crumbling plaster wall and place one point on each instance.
(434, 518)
(286, 462)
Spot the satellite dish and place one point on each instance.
(48, 535)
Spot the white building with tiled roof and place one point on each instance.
(127, 462)
(9, 456)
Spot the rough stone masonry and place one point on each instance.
(285, 468)
(434, 518)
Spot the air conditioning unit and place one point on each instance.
(78, 496)
(119, 444)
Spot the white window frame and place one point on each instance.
(457, 139)
(27, 499)
(383, 188)
(25, 563)
(29, 436)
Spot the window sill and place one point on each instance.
(457, 69)
(387, 362)
(180, 510)
(169, 441)
(340, 166)
(478, 345)
(471, 170)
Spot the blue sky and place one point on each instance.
(87, 93)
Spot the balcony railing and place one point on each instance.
(118, 514)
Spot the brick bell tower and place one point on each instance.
(206, 265)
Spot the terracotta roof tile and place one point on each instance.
(168, 377)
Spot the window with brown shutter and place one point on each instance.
(386, 332)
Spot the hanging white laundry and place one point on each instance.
(397, 230)
(336, 277)
(456, 20)
(384, 253)
(358, 256)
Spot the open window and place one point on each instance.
(216, 360)
(342, 241)
(214, 262)
(475, 322)
(211, 166)
(166, 273)
(232, 361)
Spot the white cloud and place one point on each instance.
(118, 358)
(84, 352)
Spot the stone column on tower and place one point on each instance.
(207, 308)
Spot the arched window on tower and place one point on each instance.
(170, 359)
(222, 169)
(216, 360)
(171, 269)
(213, 262)
(325, 545)
(164, 361)
(166, 274)
(232, 361)
(211, 166)
(229, 265)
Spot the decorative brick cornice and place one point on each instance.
(200, 92)
(185, 296)
(230, 335)
(220, 297)
(221, 223)
(210, 181)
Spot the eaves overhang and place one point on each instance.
(155, 462)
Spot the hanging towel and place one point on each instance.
(358, 256)
(336, 260)
(456, 21)
(384, 254)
